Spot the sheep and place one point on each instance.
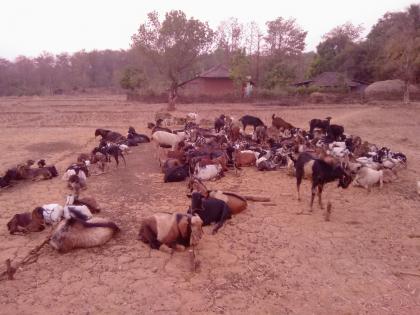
(166, 138)
(169, 231)
(367, 177)
(75, 233)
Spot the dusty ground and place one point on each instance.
(267, 260)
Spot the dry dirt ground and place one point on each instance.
(266, 260)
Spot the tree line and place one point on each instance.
(166, 51)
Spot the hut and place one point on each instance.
(215, 81)
(390, 90)
(332, 80)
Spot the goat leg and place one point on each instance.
(320, 187)
(312, 197)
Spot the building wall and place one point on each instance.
(208, 86)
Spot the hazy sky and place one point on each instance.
(28, 27)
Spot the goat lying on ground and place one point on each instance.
(173, 230)
(322, 173)
(77, 233)
(26, 222)
(51, 168)
(208, 172)
(27, 172)
(133, 138)
(367, 177)
(235, 202)
(210, 210)
(176, 174)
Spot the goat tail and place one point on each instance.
(258, 199)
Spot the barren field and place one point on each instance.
(266, 260)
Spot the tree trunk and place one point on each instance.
(173, 95)
(407, 92)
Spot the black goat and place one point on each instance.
(109, 135)
(219, 123)
(335, 133)
(321, 173)
(4, 181)
(318, 123)
(176, 174)
(251, 120)
(110, 150)
(134, 138)
(210, 210)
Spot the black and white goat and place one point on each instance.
(321, 173)
(210, 210)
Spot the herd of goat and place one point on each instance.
(323, 154)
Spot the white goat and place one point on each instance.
(167, 138)
(71, 211)
(192, 117)
(367, 177)
(52, 213)
(207, 172)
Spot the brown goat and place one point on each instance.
(278, 122)
(28, 172)
(27, 222)
(244, 158)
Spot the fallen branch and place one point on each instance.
(259, 199)
(414, 235)
(30, 258)
(269, 204)
(398, 273)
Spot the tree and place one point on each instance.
(285, 41)
(285, 37)
(132, 79)
(337, 51)
(239, 68)
(403, 48)
(173, 45)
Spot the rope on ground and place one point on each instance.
(30, 258)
